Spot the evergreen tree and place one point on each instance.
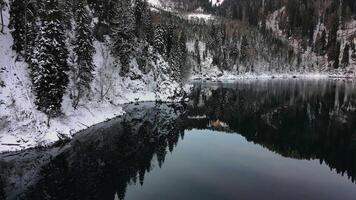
(335, 55)
(148, 25)
(321, 44)
(84, 51)
(49, 62)
(197, 53)
(140, 14)
(17, 24)
(244, 52)
(183, 53)
(346, 56)
(174, 58)
(159, 41)
(123, 34)
(169, 37)
(31, 29)
(23, 18)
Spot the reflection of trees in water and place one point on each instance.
(303, 120)
(102, 164)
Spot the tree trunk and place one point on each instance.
(2, 21)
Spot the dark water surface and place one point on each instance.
(275, 139)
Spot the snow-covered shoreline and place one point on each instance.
(231, 77)
(22, 126)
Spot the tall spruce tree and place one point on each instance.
(18, 24)
(49, 62)
(183, 53)
(159, 40)
(174, 57)
(123, 34)
(244, 52)
(148, 25)
(197, 53)
(346, 56)
(84, 51)
(140, 7)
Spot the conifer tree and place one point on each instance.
(49, 62)
(84, 51)
(159, 41)
(244, 50)
(169, 37)
(148, 29)
(17, 23)
(346, 56)
(140, 9)
(321, 44)
(197, 53)
(174, 57)
(183, 53)
(123, 34)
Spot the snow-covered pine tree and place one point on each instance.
(140, 8)
(84, 51)
(31, 29)
(320, 44)
(17, 23)
(244, 50)
(23, 18)
(169, 37)
(346, 56)
(159, 41)
(123, 34)
(174, 57)
(182, 46)
(147, 21)
(49, 61)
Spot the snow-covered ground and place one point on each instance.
(203, 16)
(216, 2)
(22, 126)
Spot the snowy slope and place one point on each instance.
(156, 3)
(216, 2)
(22, 126)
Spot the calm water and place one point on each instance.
(277, 139)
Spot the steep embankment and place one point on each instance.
(22, 126)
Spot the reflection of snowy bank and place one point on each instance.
(148, 125)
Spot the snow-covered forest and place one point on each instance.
(66, 65)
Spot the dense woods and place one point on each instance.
(56, 38)
(246, 36)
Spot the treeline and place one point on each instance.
(55, 37)
(331, 15)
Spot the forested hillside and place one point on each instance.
(63, 60)
(323, 30)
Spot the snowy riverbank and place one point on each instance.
(22, 126)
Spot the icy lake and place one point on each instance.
(251, 139)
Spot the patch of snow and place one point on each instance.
(216, 2)
(197, 117)
(156, 3)
(272, 21)
(203, 16)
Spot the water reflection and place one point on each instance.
(295, 119)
